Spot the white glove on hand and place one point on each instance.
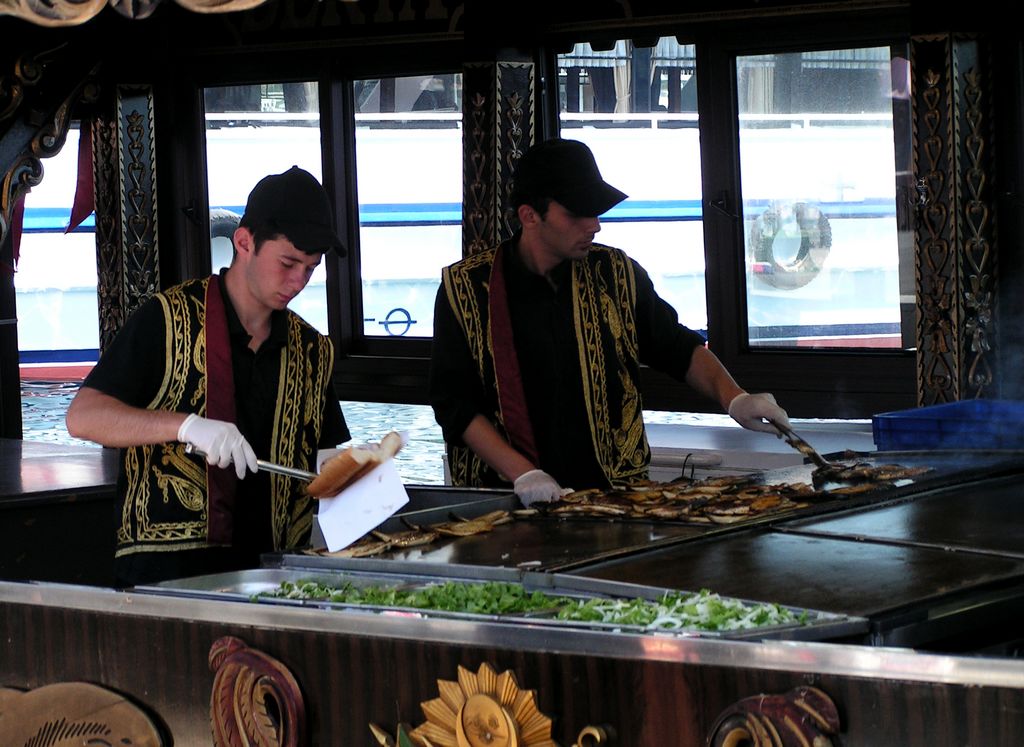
(222, 443)
(751, 410)
(536, 485)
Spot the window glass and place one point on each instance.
(409, 183)
(253, 131)
(819, 167)
(55, 282)
(636, 107)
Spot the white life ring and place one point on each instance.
(788, 244)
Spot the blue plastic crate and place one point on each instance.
(968, 424)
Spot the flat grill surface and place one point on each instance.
(925, 557)
(985, 516)
(837, 575)
(564, 542)
(549, 544)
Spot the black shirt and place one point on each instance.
(547, 348)
(132, 368)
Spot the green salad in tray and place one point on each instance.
(701, 610)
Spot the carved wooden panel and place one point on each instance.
(255, 699)
(37, 98)
(136, 162)
(66, 714)
(76, 12)
(802, 716)
(350, 679)
(486, 708)
(500, 125)
(955, 250)
(108, 221)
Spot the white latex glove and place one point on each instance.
(222, 443)
(751, 411)
(536, 485)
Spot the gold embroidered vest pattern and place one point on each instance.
(165, 507)
(605, 291)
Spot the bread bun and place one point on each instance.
(349, 465)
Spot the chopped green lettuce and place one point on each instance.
(680, 611)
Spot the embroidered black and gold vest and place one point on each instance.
(604, 293)
(166, 507)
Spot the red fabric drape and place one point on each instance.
(17, 220)
(85, 198)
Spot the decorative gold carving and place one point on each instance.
(803, 717)
(934, 263)
(219, 6)
(77, 12)
(108, 277)
(140, 273)
(956, 229)
(25, 173)
(27, 72)
(500, 126)
(516, 96)
(255, 699)
(478, 214)
(135, 9)
(26, 169)
(592, 736)
(485, 710)
(978, 251)
(66, 714)
(52, 12)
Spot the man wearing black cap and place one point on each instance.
(538, 344)
(220, 365)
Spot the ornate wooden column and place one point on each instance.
(956, 236)
(500, 123)
(124, 170)
(37, 96)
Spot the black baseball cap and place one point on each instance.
(566, 172)
(295, 204)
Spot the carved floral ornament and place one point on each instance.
(75, 12)
(485, 709)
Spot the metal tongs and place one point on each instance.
(277, 469)
(800, 445)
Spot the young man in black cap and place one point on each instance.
(222, 365)
(538, 344)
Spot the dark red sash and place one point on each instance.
(220, 405)
(511, 398)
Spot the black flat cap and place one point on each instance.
(565, 171)
(295, 204)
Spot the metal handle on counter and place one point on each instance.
(279, 469)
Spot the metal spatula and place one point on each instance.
(278, 469)
(800, 445)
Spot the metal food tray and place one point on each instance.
(433, 505)
(245, 585)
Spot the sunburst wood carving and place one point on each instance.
(484, 709)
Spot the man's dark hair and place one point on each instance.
(262, 231)
(537, 202)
